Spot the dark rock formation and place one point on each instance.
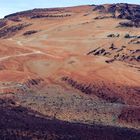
(131, 36)
(99, 51)
(113, 35)
(119, 54)
(30, 32)
(99, 8)
(30, 13)
(130, 24)
(2, 23)
(112, 47)
(135, 41)
(40, 13)
(103, 17)
(49, 16)
(15, 19)
(122, 11)
(9, 31)
(33, 82)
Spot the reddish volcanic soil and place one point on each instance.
(73, 64)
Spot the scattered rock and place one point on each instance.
(49, 16)
(110, 61)
(102, 17)
(112, 47)
(127, 36)
(113, 35)
(30, 32)
(134, 41)
(138, 58)
(101, 51)
(36, 11)
(123, 46)
(91, 52)
(120, 54)
(119, 50)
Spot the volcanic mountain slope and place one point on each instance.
(77, 64)
(27, 124)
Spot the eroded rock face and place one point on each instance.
(9, 31)
(40, 13)
(122, 11)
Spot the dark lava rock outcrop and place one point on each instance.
(130, 24)
(9, 31)
(118, 54)
(122, 11)
(30, 32)
(40, 13)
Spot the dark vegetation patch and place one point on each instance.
(19, 123)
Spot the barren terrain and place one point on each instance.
(76, 65)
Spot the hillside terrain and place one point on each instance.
(73, 67)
